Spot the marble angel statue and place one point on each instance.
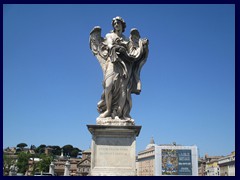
(121, 59)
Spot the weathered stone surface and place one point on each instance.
(115, 122)
(113, 150)
(121, 59)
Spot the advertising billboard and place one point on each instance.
(176, 160)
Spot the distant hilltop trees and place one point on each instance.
(53, 150)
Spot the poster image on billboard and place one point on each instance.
(176, 162)
(169, 162)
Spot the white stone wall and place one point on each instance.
(231, 170)
(213, 171)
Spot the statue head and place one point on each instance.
(134, 35)
(118, 18)
(135, 32)
(96, 33)
(96, 29)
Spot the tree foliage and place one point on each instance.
(22, 145)
(33, 147)
(56, 150)
(7, 162)
(67, 149)
(45, 160)
(43, 164)
(71, 151)
(74, 152)
(41, 149)
(22, 162)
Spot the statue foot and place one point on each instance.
(116, 117)
(105, 114)
(119, 112)
(127, 117)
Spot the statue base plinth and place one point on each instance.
(113, 150)
(115, 122)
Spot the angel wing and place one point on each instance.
(96, 45)
(139, 52)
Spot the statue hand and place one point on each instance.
(145, 41)
(121, 50)
(118, 40)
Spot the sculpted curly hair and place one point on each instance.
(118, 18)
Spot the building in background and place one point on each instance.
(201, 166)
(84, 166)
(212, 168)
(145, 160)
(31, 165)
(167, 159)
(48, 150)
(60, 162)
(176, 160)
(227, 165)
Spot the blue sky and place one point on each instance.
(52, 81)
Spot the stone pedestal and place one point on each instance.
(113, 150)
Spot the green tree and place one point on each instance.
(75, 152)
(41, 149)
(43, 164)
(34, 164)
(56, 150)
(67, 149)
(7, 162)
(72, 151)
(22, 162)
(22, 145)
(33, 147)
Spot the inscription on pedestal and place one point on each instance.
(113, 150)
(110, 156)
